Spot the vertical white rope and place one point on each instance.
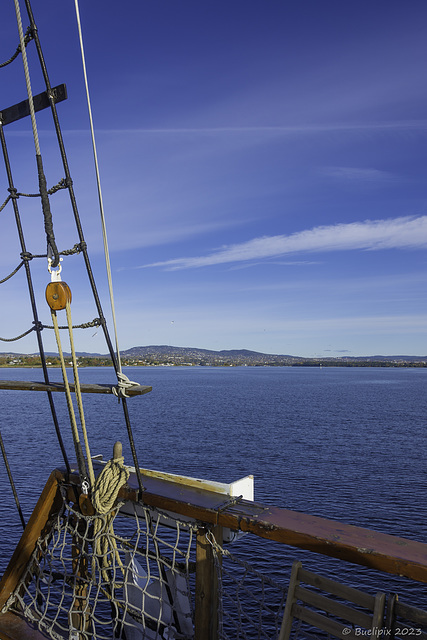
(27, 77)
(98, 181)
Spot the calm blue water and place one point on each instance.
(347, 444)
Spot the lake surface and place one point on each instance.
(344, 443)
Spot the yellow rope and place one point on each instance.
(79, 395)
(76, 386)
(65, 379)
(104, 495)
(107, 486)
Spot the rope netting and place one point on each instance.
(136, 585)
(130, 574)
(250, 602)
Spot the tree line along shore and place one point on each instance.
(104, 361)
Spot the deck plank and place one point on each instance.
(15, 627)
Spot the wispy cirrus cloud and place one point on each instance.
(408, 232)
(285, 130)
(356, 174)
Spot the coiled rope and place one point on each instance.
(104, 496)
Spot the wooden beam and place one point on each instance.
(40, 101)
(206, 592)
(381, 551)
(25, 385)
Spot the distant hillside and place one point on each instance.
(246, 353)
(194, 355)
(170, 355)
(164, 348)
(390, 358)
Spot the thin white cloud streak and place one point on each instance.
(286, 263)
(356, 174)
(398, 125)
(398, 233)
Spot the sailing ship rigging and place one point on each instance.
(116, 551)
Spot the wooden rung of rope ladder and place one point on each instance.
(25, 385)
(40, 102)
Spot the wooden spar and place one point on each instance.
(25, 385)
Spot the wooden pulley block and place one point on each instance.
(86, 506)
(57, 295)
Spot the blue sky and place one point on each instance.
(263, 167)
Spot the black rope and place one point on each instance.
(47, 214)
(96, 322)
(37, 325)
(22, 335)
(12, 483)
(52, 248)
(62, 184)
(81, 235)
(13, 273)
(5, 203)
(27, 38)
(78, 248)
(69, 183)
(67, 252)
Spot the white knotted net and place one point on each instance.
(130, 574)
(136, 585)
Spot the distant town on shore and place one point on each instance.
(164, 355)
